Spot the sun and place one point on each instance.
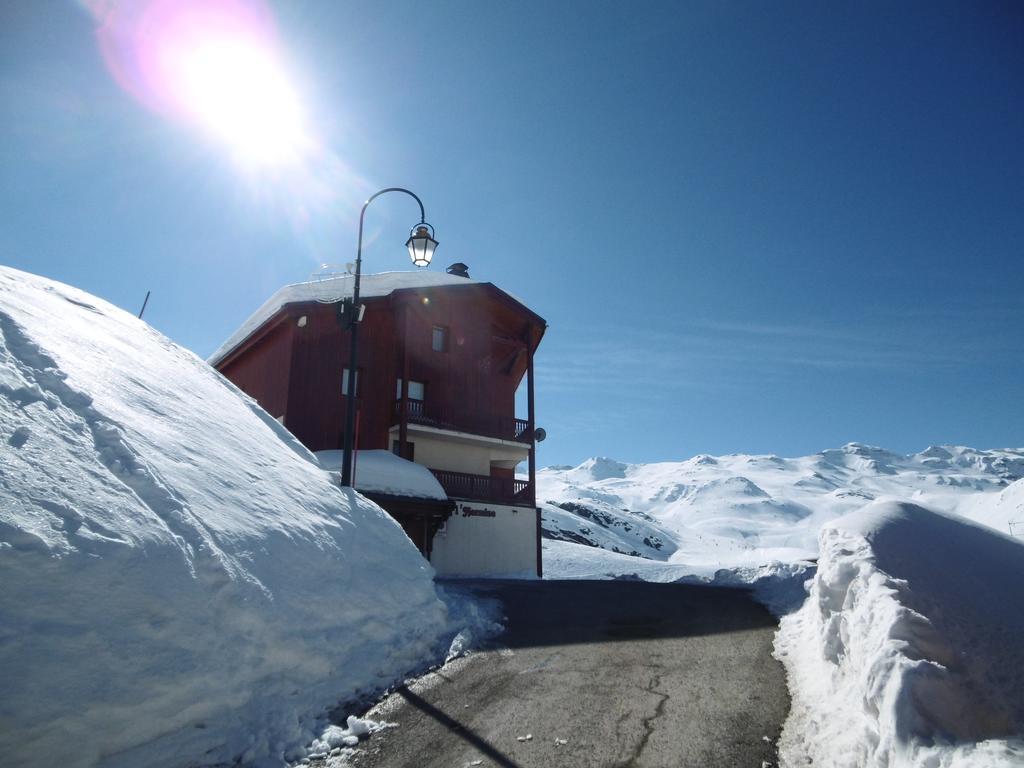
(216, 64)
(238, 92)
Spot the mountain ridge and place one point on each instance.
(735, 508)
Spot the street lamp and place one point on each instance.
(421, 245)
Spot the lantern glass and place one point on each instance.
(421, 245)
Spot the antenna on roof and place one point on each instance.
(325, 286)
(328, 270)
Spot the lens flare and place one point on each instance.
(219, 66)
(216, 64)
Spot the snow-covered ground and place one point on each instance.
(908, 650)
(181, 582)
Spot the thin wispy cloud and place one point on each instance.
(784, 331)
(957, 308)
(708, 355)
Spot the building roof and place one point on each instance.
(334, 288)
(383, 472)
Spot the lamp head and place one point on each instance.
(421, 244)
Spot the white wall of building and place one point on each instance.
(458, 452)
(474, 542)
(454, 457)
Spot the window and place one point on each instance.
(440, 339)
(416, 389)
(344, 382)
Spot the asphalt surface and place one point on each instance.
(598, 673)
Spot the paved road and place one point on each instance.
(599, 673)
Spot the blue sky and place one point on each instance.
(752, 227)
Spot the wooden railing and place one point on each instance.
(502, 427)
(460, 485)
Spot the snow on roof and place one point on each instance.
(335, 288)
(383, 472)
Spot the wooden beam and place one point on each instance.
(540, 549)
(530, 416)
(403, 404)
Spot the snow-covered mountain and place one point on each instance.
(741, 510)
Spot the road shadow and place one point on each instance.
(456, 728)
(546, 613)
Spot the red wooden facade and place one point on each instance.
(294, 364)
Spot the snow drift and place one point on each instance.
(182, 584)
(910, 648)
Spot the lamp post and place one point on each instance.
(421, 245)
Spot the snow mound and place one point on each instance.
(910, 649)
(182, 584)
(334, 736)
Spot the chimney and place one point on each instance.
(458, 268)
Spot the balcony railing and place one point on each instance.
(428, 415)
(460, 485)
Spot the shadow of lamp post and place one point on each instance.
(421, 245)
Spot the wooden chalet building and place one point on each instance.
(462, 348)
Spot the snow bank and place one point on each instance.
(182, 584)
(910, 648)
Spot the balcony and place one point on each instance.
(427, 415)
(498, 490)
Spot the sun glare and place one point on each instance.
(238, 93)
(216, 64)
